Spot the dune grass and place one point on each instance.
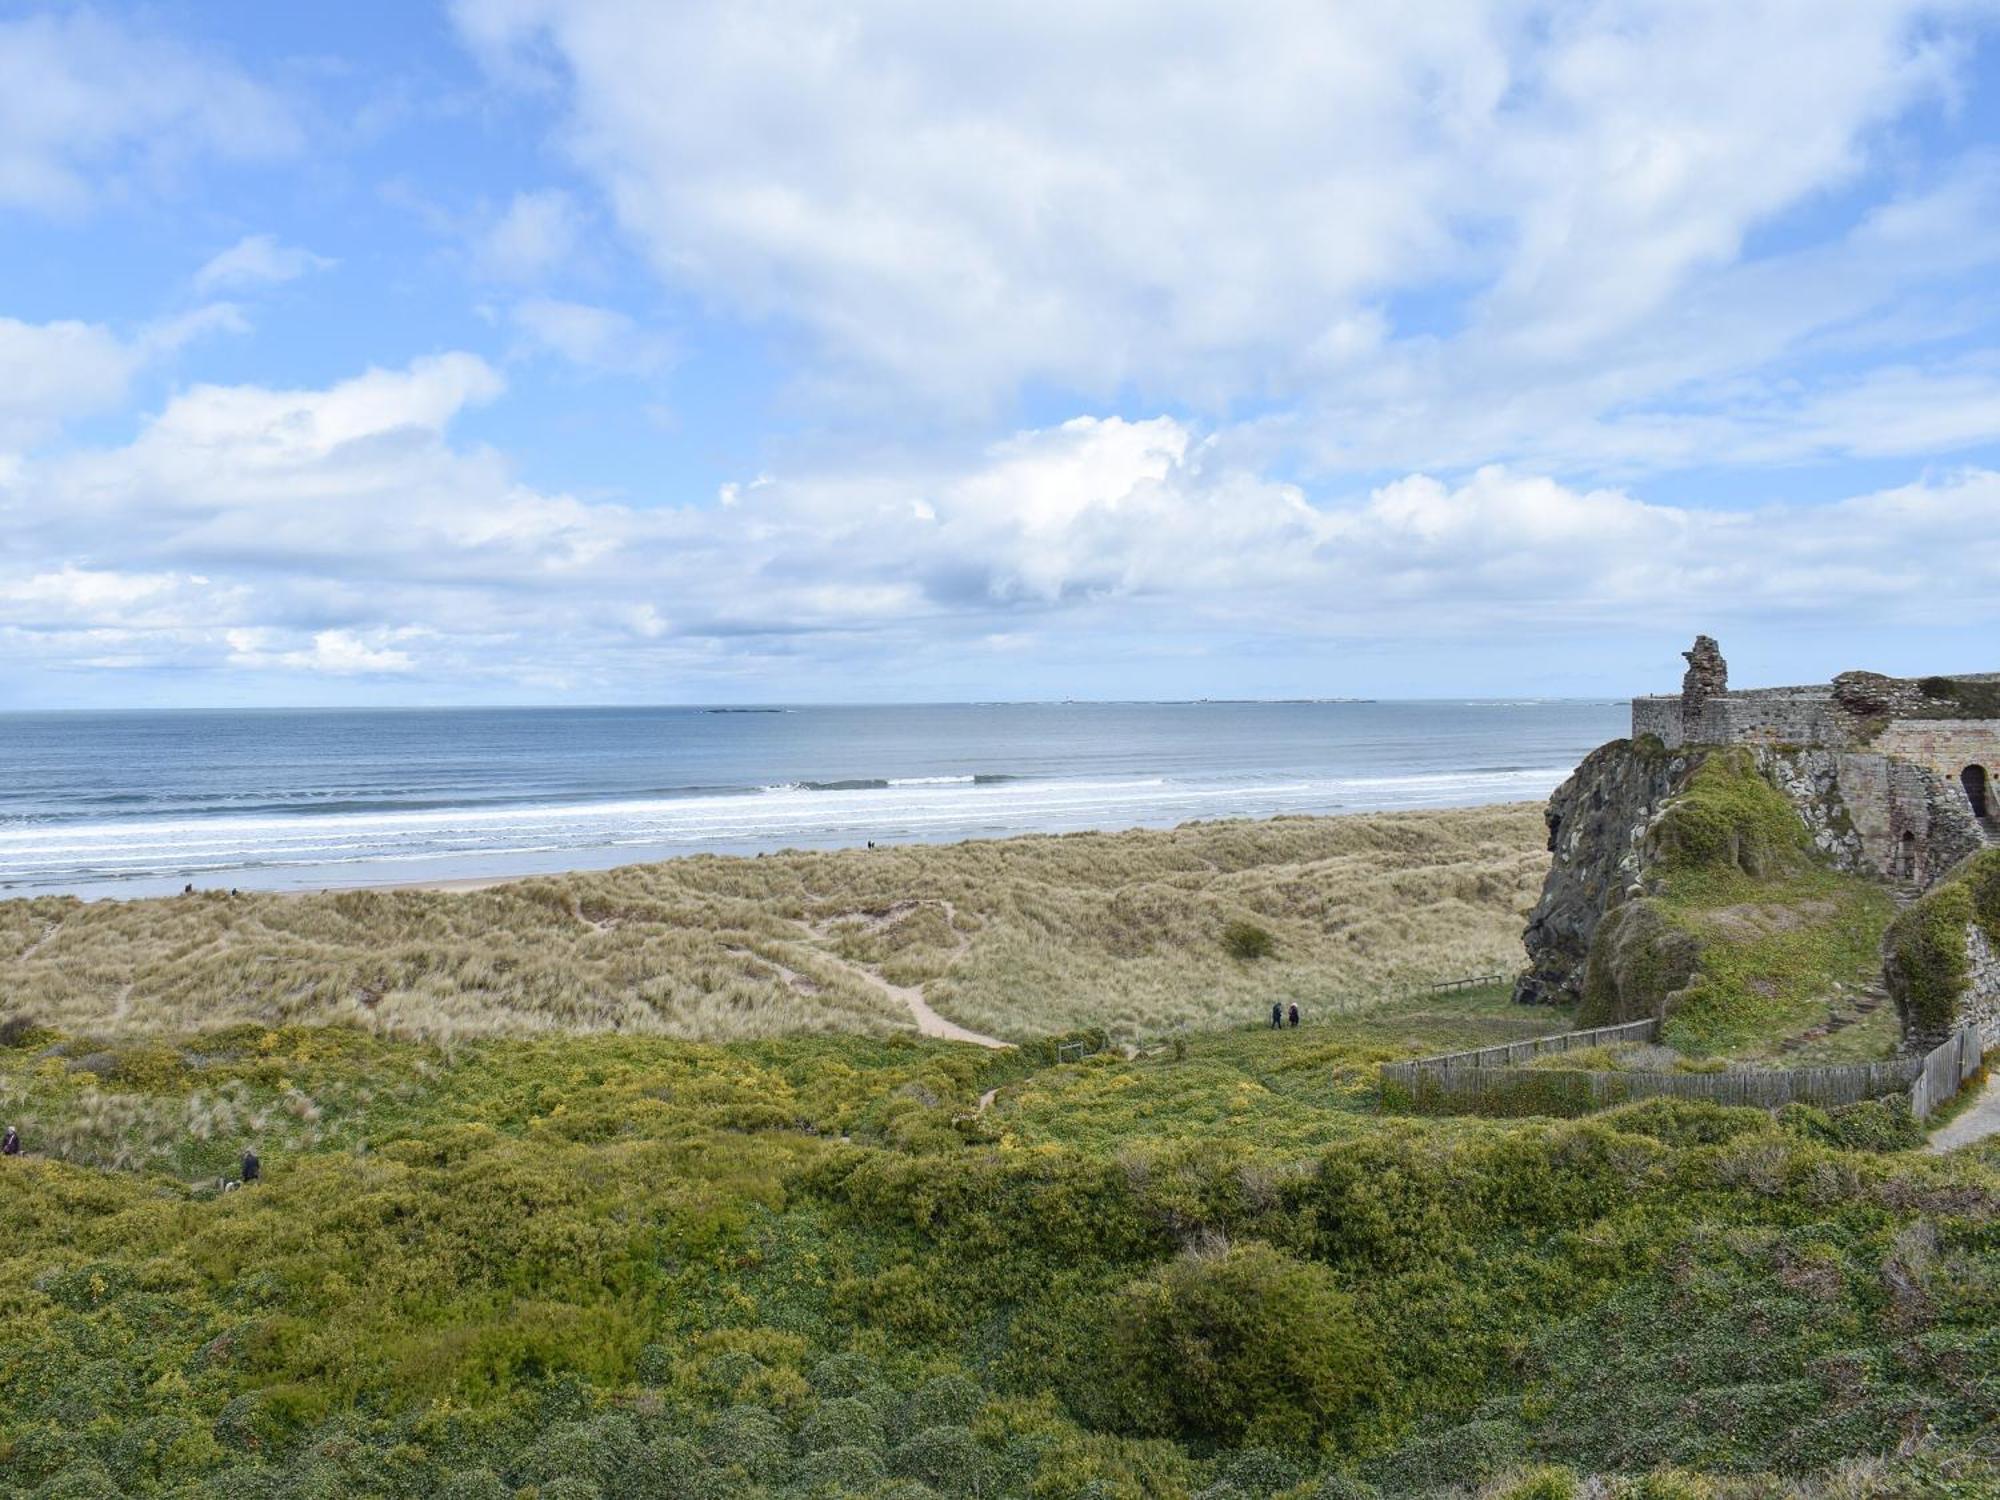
(1127, 932)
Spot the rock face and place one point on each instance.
(1598, 820)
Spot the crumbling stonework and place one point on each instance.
(1707, 677)
(1894, 754)
(1885, 773)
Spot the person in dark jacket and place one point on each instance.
(251, 1167)
(1277, 1016)
(10, 1144)
(1295, 1015)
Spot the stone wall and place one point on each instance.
(1980, 1005)
(1776, 716)
(1874, 814)
(1946, 746)
(1659, 717)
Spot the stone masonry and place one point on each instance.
(1897, 763)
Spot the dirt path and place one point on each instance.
(1979, 1120)
(911, 997)
(929, 1022)
(48, 935)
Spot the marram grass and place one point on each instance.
(1125, 932)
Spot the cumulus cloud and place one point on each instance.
(90, 107)
(334, 653)
(1214, 204)
(345, 531)
(256, 260)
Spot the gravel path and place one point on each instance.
(1975, 1124)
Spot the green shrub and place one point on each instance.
(1547, 1482)
(840, 1471)
(1247, 1344)
(1246, 941)
(1870, 1125)
(842, 1422)
(474, 1484)
(948, 1459)
(1469, 1453)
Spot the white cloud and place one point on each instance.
(257, 259)
(334, 653)
(343, 531)
(597, 338)
(50, 372)
(1211, 202)
(91, 107)
(538, 234)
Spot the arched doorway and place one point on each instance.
(1976, 791)
(1909, 865)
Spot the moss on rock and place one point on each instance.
(1730, 817)
(1638, 959)
(1926, 962)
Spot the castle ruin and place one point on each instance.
(1913, 764)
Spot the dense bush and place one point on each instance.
(1237, 1344)
(1928, 967)
(1247, 941)
(589, 1266)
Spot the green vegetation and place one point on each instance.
(523, 1237)
(560, 1268)
(1015, 938)
(1246, 940)
(1745, 935)
(1956, 698)
(1927, 966)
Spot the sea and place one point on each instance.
(122, 804)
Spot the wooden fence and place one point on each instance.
(1492, 1080)
(1470, 982)
(1944, 1068)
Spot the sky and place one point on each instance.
(595, 351)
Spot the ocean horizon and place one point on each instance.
(131, 803)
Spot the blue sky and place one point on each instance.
(525, 351)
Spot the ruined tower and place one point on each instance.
(1707, 676)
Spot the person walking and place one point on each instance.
(10, 1144)
(1277, 1016)
(1295, 1015)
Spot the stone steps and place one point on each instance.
(1848, 1011)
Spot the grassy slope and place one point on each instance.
(1782, 939)
(1018, 937)
(569, 1267)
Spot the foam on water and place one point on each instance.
(240, 800)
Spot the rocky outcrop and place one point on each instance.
(1598, 822)
(1811, 781)
(1638, 963)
